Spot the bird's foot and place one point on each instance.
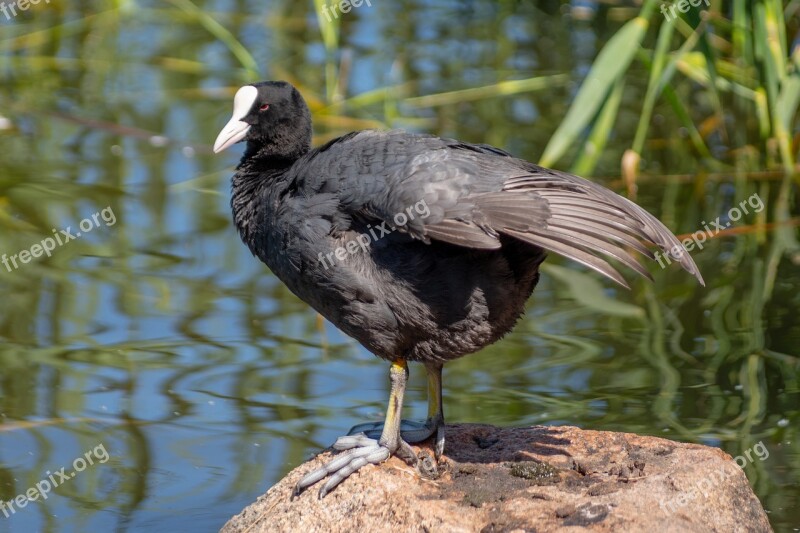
(410, 431)
(358, 450)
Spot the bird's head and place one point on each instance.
(272, 117)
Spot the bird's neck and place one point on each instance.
(278, 150)
(254, 188)
(261, 179)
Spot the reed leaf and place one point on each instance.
(611, 64)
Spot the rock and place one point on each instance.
(526, 479)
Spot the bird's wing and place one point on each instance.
(473, 193)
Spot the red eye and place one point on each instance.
(264, 107)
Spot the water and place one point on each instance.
(159, 340)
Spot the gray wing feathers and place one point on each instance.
(585, 217)
(463, 234)
(574, 218)
(475, 193)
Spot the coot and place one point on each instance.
(421, 248)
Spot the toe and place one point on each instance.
(359, 451)
(406, 453)
(353, 441)
(438, 449)
(375, 455)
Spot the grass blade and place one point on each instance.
(611, 64)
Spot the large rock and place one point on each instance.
(526, 479)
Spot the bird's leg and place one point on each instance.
(435, 422)
(362, 450)
(412, 431)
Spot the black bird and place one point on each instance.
(421, 248)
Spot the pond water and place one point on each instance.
(165, 366)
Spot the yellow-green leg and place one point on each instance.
(435, 422)
(360, 449)
(412, 431)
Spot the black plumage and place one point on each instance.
(438, 286)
